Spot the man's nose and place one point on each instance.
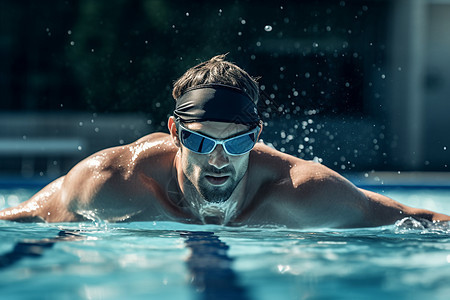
(218, 158)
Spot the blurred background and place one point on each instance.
(356, 85)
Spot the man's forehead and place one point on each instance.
(217, 129)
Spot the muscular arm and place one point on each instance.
(384, 210)
(319, 197)
(105, 184)
(46, 205)
(348, 206)
(60, 200)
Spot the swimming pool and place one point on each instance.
(168, 260)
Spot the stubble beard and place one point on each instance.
(210, 203)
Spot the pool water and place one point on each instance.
(168, 260)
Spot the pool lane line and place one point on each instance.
(36, 248)
(210, 267)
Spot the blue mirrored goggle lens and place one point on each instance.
(196, 142)
(241, 144)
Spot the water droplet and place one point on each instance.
(268, 28)
(72, 43)
(80, 148)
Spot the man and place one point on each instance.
(210, 169)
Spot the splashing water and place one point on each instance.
(93, 216)
(411, 225)
(217, 213)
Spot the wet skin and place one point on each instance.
(157, 178)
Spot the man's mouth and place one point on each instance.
(216, 180)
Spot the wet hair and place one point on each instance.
(217, 70)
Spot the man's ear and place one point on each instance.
(171, 124)
(260, 130)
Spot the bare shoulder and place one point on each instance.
(303, 193)
(122, 162)
(127, 157)
(289, 169)
(108, 181)
(105, 182)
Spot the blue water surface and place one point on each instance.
(168, 260)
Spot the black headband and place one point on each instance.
(216, 102)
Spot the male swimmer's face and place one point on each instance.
(214, 175)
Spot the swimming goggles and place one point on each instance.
(203, 144)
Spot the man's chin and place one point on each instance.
(218, 194)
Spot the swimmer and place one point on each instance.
(210, 168)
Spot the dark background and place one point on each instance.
(325, 66)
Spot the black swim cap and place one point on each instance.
(216, 102)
